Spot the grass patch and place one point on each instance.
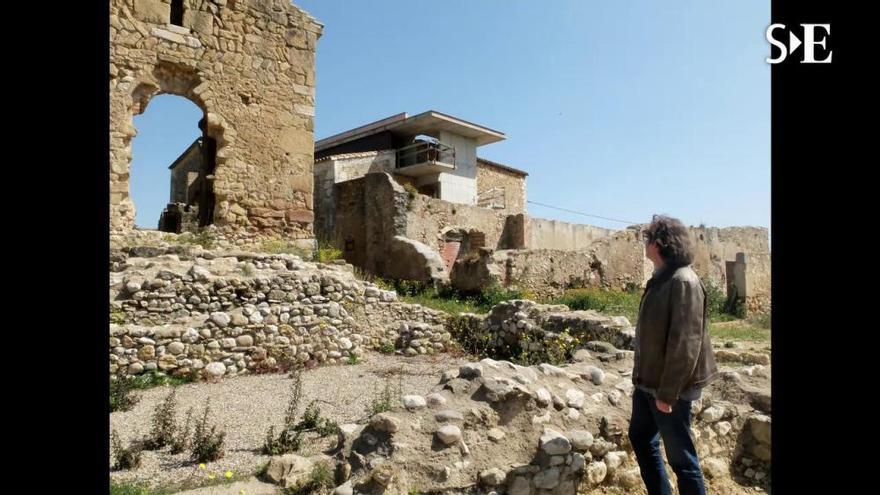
(434, 301)
(411, 194)
(327, 252)
(626, 303)
(608, 302)
(135, 489)
(117, 317)
(202, 238)
(320, 480)
(152, 379)
(453, 301)
(278, 246)
(554, 350)
(760, 320)
(741, 330)
(121, 398)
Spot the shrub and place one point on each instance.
(121, 398)
(716, 298)
(327, 252)
(207, 442)
(202, 238)
(387, 347)
(411, 194)
(291, 437)
(125, 457)
(386, 399)
(181, 442)
(164, 426)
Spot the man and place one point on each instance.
(673, 361)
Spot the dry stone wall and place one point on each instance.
(522, 326)
(183, 309)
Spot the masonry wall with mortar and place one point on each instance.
(370, 211)
(617, 261)
(250, 66)
(512, 187)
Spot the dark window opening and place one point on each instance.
(429, 190)
(177, 12)
(206, 199)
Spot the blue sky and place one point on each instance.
(620, 109)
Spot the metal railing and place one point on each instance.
(425, 152)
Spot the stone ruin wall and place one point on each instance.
(250, 66)
(183, 309)
(617, 261)
(373, 213)
(216, 313)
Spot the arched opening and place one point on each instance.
(173, 161)
(177, 12)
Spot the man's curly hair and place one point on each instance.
(672, 238)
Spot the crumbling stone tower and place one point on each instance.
(250, 66)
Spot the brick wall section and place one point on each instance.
(450, 253)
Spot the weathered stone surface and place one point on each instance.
(385, 422)
(449, 434)
(581, 440)
(256, 92)
(288, 469)
(554, 443)
(760, 427)
(413, 402)
(596, 472)
(492, 477)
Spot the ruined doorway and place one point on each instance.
(173, 161)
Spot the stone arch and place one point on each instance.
(179, 80)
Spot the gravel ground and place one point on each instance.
(245, 407)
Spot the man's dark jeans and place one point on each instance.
(648, 424)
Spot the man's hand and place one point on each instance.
(662, 406)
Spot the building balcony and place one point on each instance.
(425, 158)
